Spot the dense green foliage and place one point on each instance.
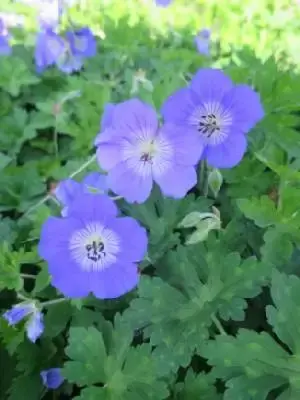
(214, 319)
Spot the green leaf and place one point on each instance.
(88, 365)
(4, 160)
(57, 318)
(9, 268)
(262, 211)
(125, 372)
(29, 384)
(195, 386)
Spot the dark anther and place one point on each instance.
(146, 157)
(95, 251)
(208, 125)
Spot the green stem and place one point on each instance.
(21, 297)
(55, 140)
(55, 301)
(218, 325)
(202, 179)
(49, 196)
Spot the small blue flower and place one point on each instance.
(34, 326)
(202, 41)
(52, 378)
(67, 53)
(163, 3)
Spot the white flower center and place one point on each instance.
(146, 154)
(212, 122)
(94, 247)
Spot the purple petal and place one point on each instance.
(69, 62)
(18, 312)
(129, 184)
(107, 116)
(186, 142)
(68, 278)
(96, 180)
(35, 326)
(178, 107)
(177, 181)
(66, 191)
(133, 237)
(228, 154)
(210, 84)
(203, 45)
(134, 117)
(93, 206)
(163, 3)
(55, 235)
(108, 154)
(82, 42)
(52, 378)
(246, 107)
(49, 47)
(115, 281)
(5, 48)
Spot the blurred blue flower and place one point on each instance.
(202, 41)
(68, 189)
(5, 48)
(34, 326)
(67, 53)
(163, 3)
(52, 378)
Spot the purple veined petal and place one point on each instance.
(133, 118)
(133, 237)
(49, 47)
(95, 180)
(92, 206)
(115, 281)
(187, 144)
(52, 378)
(66, 190)
(227, 154)
(176, 181)
(55, 235)
(246, 107)
(18, 312)
(178, 107)
(126, 182)
(82, 42)
(210, 84)
(35, 326)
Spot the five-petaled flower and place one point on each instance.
(67, 53)
(219, 111)
(52, 378)
(93, 250)
(34, 325)
(136, 151)
(68, 189)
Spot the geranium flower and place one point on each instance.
(219, 111)
(67, 53)
(137, 152)
(68, 189)
(52, 378)
(34, 325)
(92, 250)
